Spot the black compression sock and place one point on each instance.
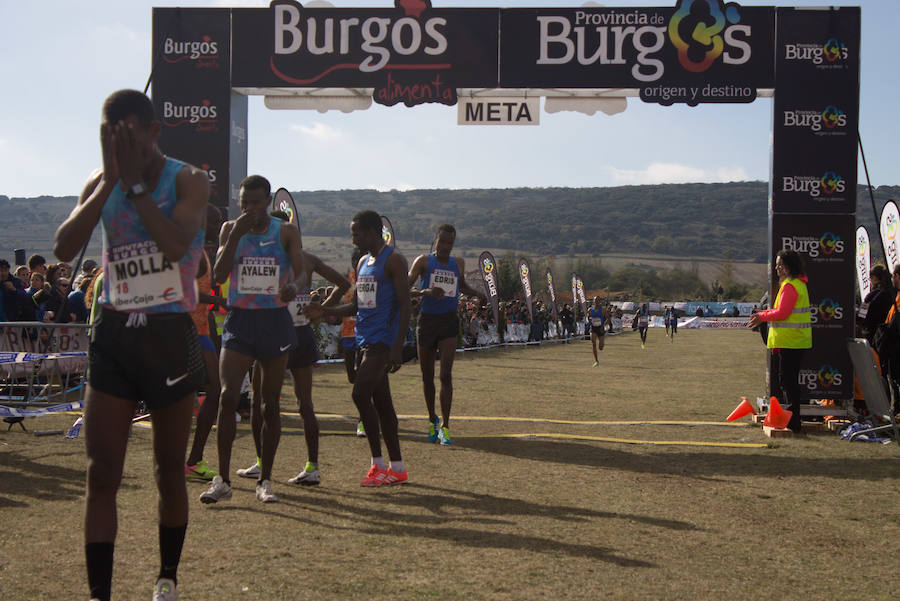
(99, 558)
(171, 540)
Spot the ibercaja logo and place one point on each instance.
(699, 30)
(204, 53)
(201, 117)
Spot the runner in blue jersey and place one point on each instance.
(642, 317)
(438, 328)
(262, 257)
(382, 309)
(597, 320)
(144, 345)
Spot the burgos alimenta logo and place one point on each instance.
(695, 30)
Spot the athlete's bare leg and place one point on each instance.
(232, 367)
(303, 391)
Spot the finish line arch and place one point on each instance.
(206, 62)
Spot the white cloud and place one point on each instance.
(674, 173)
(318, 131)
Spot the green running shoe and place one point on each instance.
(200, 471)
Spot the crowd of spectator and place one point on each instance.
(45, 292)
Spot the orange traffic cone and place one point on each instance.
(777, 417)
(744, 408)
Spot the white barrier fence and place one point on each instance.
(41, 360)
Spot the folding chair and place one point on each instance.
(878, 403)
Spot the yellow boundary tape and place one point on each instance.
(547, 435)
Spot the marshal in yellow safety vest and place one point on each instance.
(796, 330)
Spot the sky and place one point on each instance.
(60, 59)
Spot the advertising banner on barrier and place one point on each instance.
(699, 51)
(863, 261)
(191, 90)
(411, 54)
(889, 229)
(525, 278)
(816, 110)
(488, 268)
(826, 244)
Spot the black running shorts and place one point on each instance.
(434, 327)
(150, 357)
(259, 333)
(307, 351)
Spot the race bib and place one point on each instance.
(445, 280)
(258, 275)
(296, 308)
(141, 277)
(366, 292)
(597, 321)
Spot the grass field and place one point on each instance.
(560, 513)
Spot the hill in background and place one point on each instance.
(693, 227)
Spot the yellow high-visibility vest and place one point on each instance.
(796, 330)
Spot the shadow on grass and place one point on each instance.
(399, 514)
(27, 477)
(706, 465)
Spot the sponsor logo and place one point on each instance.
(862, 247)
(833, 54)
(829, 376)
(487, 266)
(702, 32)
(828, 244)
(829, 184)
(829, 121)
(698, 30)
(204, 52)
(202, 117)
(386, 235)
(826, 377)
(827, 312)
(173, 381)
(523, 270)
(169, 294)
(409, 36)
(890, 226)
(286, 207)
(284, 348)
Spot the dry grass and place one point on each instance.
(496, 517)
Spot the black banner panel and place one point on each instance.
(826, 243)
(816, 110)
(411, 55)
(698, 51)
(191, 90)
